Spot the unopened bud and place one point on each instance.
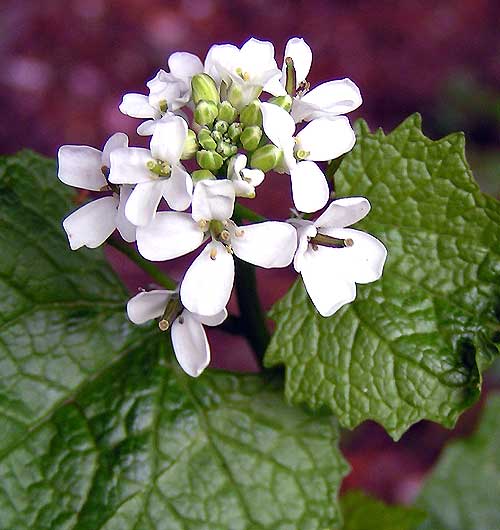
(205, 112)
(206, 140)
(204, 89)
(227, 112)
(234, 131)
(250, 137)
(202, 174)
(285, 102)
(209, 160)
(251, 114)
(220, 126)
(226, 149)
(266, 158)
(190, 146)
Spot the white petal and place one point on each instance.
(220, 59)
(143, 202)
(190, 344)
(274, 87)
(328, 99)
(305, 230)
(364, 261)
(168, 236)
(178, 189)
(343, 212)
(147, 128)
(301, 54)
(257, 58)
(137, 106)
(184, 65)
(168, 139)
(115, 142)
(235, 165)
(148, 305)
(309, 187)
(278, 126)
(213, 200)
(124, 226)
(212, 320)
(129, 165)
(243, 189)
(80, 166)
(328, 288)
(325, 138)
(269, 244)
(207, 285)
(255, 177)
(91, 224)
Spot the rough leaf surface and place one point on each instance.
(463, 491)
(413, 344)
(101, 429)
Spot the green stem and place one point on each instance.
(144, 264)
(252, 317)
(242, 212)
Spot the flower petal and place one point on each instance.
(212, 320)
(124, 226)
(213, 200)
(147, 305)
(143, 202)
(220, 59)
(301, 54)
(208, 282)
(91, 224)
(343, 212)
(190, 344)
(184, 65)
(255, 177)
(257, 58)
(269, 244)
(129, 165)
(115, 142)
(80, 166)
(328, 288)
(325, 139)
(168, 236)
(278, 126)
(147, 128)
(168, 139)
(305, 230)
(137, 106)
(309, 187)
(178, 189)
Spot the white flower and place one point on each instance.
(168, 91)
(86, 167)
(322, 139)
(244, 179)
(246, 71)
(333, 258)
(188, 336)
(327, 100)
(156, 172)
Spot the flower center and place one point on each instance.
(159, 168)
(172, 311)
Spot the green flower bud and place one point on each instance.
(234, 131)
(251, 114)
(227, 112)
(209, 160)
(250, 137)
(202, 174)
(220, 126)
(285, 102)
(204, 89)
(205, 112)
(226, 149)
(206, 141)
(266, 158)
(190, 146)
(217, 136)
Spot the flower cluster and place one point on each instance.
(235, 117)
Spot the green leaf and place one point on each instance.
(414, 343)
(362, 512)
(463, 491)
(102, 430)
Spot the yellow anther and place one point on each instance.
(348, 242)
(213, 253)
(239, 233)
(203, 224)
(225, 235)
(163, 324)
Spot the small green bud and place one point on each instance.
(206, 141)
(204, 89)
(202, 174)
(209, 160)
(251, 114)
(227, 112)
(285, 102)
(266, 158)
(250, 137)
(234, 131)
(205, 112)
(220, 126)
(217, 136)
(226, 149)
(190, 146)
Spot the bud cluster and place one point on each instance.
(236, 117)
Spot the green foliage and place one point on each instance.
(413, 345)
(102, 430)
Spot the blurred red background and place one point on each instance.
(66, 64)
